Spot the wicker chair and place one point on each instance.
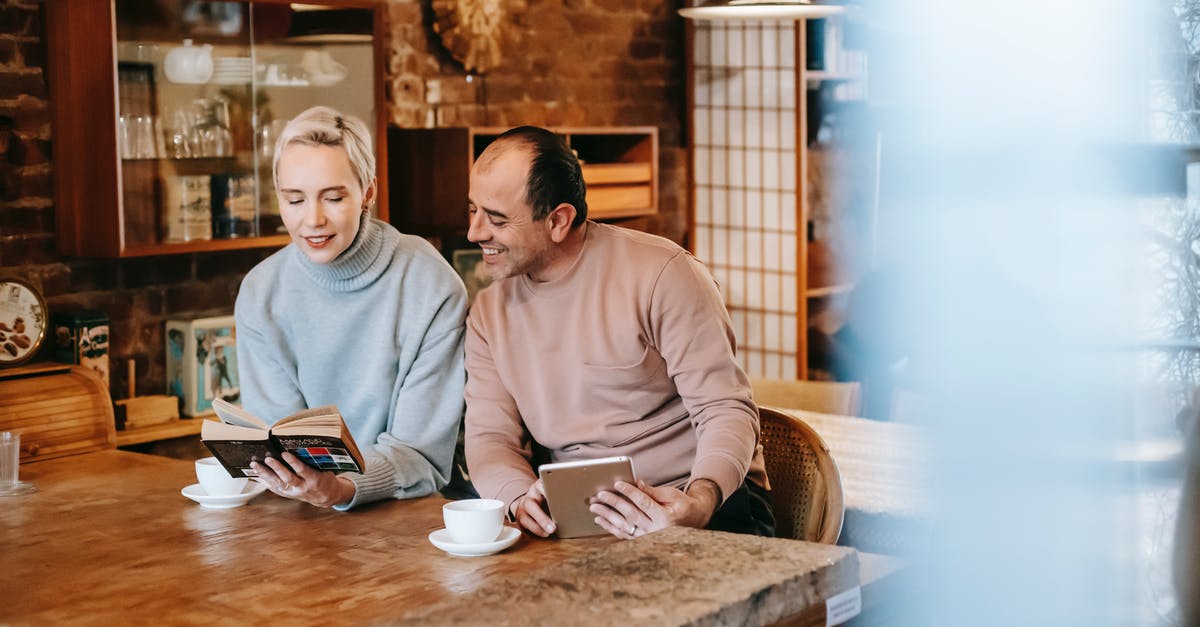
(826, 397)
(806, 489)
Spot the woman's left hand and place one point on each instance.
(293, 479)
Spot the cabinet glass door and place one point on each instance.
(203, 90)
(307, 55)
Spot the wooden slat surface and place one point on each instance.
(108, 539)
(58, 410)
(182, 427)
(604, 173)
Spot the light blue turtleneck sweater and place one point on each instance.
(377, 332)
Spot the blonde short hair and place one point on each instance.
(325, 126)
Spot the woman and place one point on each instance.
(352, 313)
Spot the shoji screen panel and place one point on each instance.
(747, 226)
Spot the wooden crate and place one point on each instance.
(59, 410)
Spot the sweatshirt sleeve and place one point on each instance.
(693, 333)
(498, 446)
(413, 457)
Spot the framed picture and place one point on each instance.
(469, 265)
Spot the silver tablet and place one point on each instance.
(569, 486)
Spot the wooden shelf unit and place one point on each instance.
(181, 428)
(429, 174)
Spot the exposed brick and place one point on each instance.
(54, 278)
(646, 50)
(404, 13)
(122, 343)
(408, 89)
(229, 266)
(195, 297)
(30, 182)
(30, 115)
(19, 20)
(28, 151)
(34, 84)
(10, 84)
(89, 275)
(26, 221)
(8, 50)
(32, 53)
(168, 270)
(27, 249)
(114, 303)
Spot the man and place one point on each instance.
(597, 341)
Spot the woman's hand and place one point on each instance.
(297, 480)
(630, 511)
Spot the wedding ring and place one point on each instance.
(632, 529)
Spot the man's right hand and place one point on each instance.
(531, 513)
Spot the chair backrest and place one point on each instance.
(806, 488)
(826, 397)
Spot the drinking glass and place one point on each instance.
(144, 143)
(10, 465)
(126, 136)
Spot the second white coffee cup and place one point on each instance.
(474, 521)
(215, 480)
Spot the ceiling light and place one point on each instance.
(759, 10)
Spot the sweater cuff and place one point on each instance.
(725, 473)
(378, 483)
(510, 492)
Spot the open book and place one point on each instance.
(318, 436)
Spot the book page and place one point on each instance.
(234, 415)
(213, 430)
(323, 415)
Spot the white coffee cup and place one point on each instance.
(474, 521)
(215, 480)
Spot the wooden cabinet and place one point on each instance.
(165, 114)
(430, 170)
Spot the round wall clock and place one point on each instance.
(470, 31)
(22, 321)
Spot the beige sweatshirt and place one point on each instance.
(631, 352)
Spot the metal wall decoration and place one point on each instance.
(471, 30)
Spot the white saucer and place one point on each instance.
(441, 539)
(225, 501)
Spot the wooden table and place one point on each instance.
(109, 539)
(882, 465)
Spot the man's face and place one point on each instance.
(501, 221)
(320, 199)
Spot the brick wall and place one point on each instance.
(565, 63)
(137, 294)
(578, 62)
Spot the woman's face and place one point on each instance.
(320, 199)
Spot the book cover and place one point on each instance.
(319, 437)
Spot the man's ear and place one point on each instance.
(558, 223)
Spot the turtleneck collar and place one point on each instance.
(359, 265)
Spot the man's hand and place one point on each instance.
(631, 511)
(297, 480)
(531, 512)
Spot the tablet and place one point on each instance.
(569, 486)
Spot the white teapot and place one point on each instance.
(189, 64)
